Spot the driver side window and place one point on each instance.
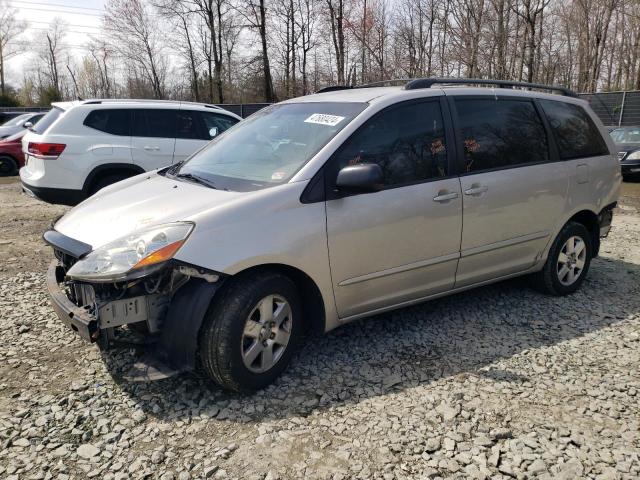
(406, 140)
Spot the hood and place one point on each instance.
(138, 202)
(15, 138)
(627, 147)
(6, 131)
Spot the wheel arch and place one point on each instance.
(109, 169)
(589, 219)
(311, 296)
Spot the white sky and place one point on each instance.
(83, 18)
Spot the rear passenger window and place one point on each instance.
(500, 133)
(574, 131)
(154, 123)
(115, 122)
(407, 141)
(188, 125)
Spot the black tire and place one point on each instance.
(548, 279)
(221, 336)
(8, 166)
(106, 181)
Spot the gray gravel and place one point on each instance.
(499, 382)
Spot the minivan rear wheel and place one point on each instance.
(568, 261)
(251, 331)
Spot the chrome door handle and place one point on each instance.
(151, 149)
(476, 190)
(445, 197)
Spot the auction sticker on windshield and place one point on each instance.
(324, 119)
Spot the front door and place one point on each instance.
(402, 243)
(154, 137)
(512, 191)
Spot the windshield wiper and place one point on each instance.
(196, 179)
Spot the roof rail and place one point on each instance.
(333, 88)
(429, 82)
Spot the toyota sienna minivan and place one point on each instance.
(331, 207)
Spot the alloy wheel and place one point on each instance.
(266, 333)
(571, 260)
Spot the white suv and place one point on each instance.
(80, 147)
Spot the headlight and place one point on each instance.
(133, 256)
(635, 155)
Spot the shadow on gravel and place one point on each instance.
(457, 335)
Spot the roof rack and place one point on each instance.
(429, 82)
(416, 83)
(98, 101)
(333, 88)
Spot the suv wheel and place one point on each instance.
(568, 261)
(250, 331)
(106, 181)
(8, 166)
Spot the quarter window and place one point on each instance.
(500, 133)
(218, 122)
(407, 141)
(113, 121)
(574, 131)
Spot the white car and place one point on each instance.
(81, 147)
(17, 124)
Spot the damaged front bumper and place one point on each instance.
(167, 309)
(82, 320)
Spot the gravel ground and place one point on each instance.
(495, 383)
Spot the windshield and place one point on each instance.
(19, 120)
(626, 135)
(46, 121)
(269, 147)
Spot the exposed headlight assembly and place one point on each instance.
(635, 155)
(136, 255)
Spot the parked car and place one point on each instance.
(11, 156)
(627, 140)
(84, 146)
(332, 207)
(19, 123)
(6, 116)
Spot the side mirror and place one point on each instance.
(362, 178)
(213, 132)
(28, 125)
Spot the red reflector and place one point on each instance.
(46, 150)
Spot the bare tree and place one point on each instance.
(10, 30)
(135, 37)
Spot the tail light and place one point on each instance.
(46, 151)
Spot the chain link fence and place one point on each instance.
(615, 109)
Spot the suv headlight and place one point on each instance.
(136, 255)
(635, 155)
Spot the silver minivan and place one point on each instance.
(331, 207)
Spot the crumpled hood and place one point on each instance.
(142, 201)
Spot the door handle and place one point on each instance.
(151, 149)
(445, 197)
(476, 190)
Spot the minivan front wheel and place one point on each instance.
(568, 261)
(250, 331)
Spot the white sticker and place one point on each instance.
(324, 119)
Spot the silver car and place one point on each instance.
(331, 207)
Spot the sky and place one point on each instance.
(83, 18)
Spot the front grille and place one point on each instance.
(621, 155)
